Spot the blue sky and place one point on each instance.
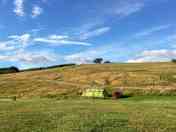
(36, 33)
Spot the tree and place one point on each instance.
(14, 69)
(98, 60)
(173, 60)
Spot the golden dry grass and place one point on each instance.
(150, 77)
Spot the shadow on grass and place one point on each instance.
(125, 96)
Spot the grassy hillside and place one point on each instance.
(146, 78)
(134, 114)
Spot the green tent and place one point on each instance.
(94, 92)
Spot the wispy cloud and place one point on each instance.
(6, 46)
(90, 30)
(155, 55)
(94, 33)
(44, 1)
(90, 25)
(22, 39)
(58, 37)
(151, 31)
(60, 40)
(36, 11)
(25, 40)
(15, 42)
(19, 7)
(126, 8)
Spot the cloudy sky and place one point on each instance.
(37, 33)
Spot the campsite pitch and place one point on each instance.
(134, 114)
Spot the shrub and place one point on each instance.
(14, 98)
(117, 94)
(107, 62)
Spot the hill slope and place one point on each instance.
(134, 78)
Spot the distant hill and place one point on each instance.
(136, 78)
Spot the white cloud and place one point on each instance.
(35, 58)
(6, 46)
(58, 37)
(13, 50)
(76, 58)
(79, 58)
(19, 7)
(151, 31)
(22, 39)
(126, 8)
(17, 45)
(94, 33)
(29, 57)
(15, 42)
(74, 42)
(35, 30)
(36, 11)
(60, 40)
(82, 57)
(160, 53)
(155, 55)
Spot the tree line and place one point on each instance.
(11, 69)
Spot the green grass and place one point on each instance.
(133, 114)
(47, 99)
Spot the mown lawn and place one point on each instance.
(133, 114)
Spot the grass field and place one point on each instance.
(47, 100)
(138, 79)
(134, 114)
